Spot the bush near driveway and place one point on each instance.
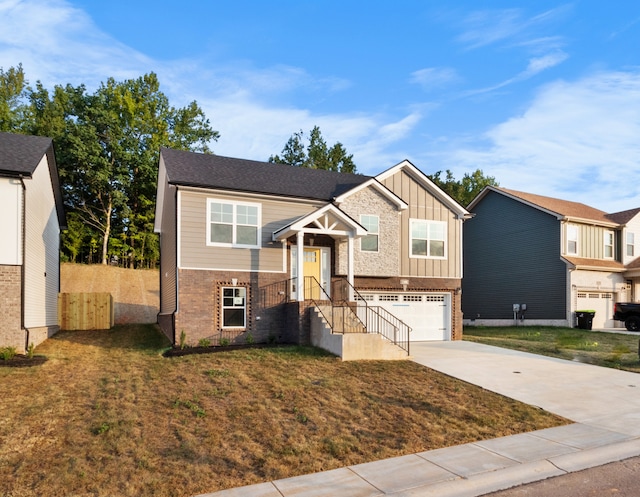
(613, 350)
(108, 415)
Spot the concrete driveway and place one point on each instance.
(604, 403)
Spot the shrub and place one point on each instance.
(7, 353)
(204, 342)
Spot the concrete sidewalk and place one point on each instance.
(605, 403)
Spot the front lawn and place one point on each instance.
(614, 350)
(107, 415)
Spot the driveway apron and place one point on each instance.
(583, 393)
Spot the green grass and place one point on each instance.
(613, 350)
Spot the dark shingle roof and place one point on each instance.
(226, 173)
(21, 154)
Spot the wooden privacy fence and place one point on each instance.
(85, 311)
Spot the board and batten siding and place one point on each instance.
(196, 254)
(11, 221)
(42, 250)
(591, 241)
(512, 256)
(423, 205)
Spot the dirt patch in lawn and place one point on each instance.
(136, 292)
(108, 415)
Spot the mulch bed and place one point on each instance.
(211, 349)
(22, 361)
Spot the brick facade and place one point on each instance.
(11, 332)
(200, 311)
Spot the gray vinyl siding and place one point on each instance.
(196, 254)
(168, 254)
(42, 249)
(512, 255)
(423, 205)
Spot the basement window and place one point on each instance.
(234, 307)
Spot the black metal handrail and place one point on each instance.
(376, 319)
(340, 312)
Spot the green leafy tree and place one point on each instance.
(12, 99)
(316, 155)
(466, 189)
(107, 146)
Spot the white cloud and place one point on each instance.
(487, 27)
(434, 77)
(577, 141)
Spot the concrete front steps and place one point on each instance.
(354, 344)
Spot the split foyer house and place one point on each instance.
(251, 250)
(31, 220)
(555, 256)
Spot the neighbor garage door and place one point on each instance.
(602, 303)
(428, 314)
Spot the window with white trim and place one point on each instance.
(369, 242)
(234, 307)
(608, 244)
(630, 244)
(233, 224)
(572, 239)
(427, 239)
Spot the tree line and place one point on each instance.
(107, 144)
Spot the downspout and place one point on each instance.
(24, 261)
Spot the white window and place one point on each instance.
(630, 244)
(234, 307)
(572, 239)
(428, 238)
(369, 242)
(233, 224)
(608, 244)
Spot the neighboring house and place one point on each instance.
(31, 220)
(237, 237)
(555, 256)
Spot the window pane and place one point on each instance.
(370, 223)
(436, 231)
(369, 243)
(233, 317)
(247, 214)
(221, 213)
(419, 247)
(572, 247)
(436, 248)
(247, 235)
(221, 233)
(419, 230)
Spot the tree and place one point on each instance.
(12, 94)
(317, 155)
(465, 190)
(107, 146)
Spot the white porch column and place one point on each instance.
(300, 266)
(350, 245)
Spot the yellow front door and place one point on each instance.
(312, 268)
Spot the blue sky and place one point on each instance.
(544, 96)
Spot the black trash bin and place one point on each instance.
(585, 319)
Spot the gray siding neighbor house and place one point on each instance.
(252, 251)
(555, 256)
(32, 217)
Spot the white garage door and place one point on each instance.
(600, 302)
(428, 314)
